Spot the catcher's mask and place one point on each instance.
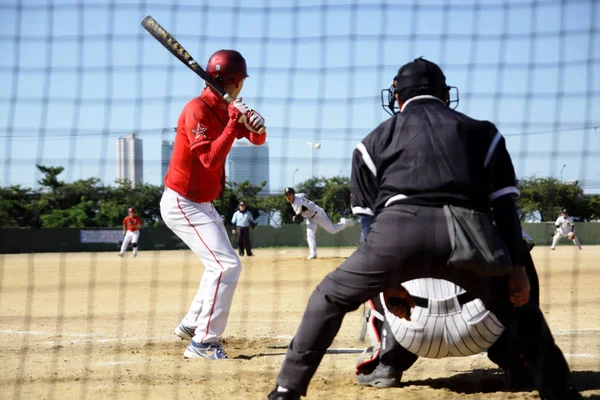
(420, 72)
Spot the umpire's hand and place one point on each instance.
(518, 286)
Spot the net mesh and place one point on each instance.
(78, 75)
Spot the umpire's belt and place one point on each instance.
(431, 199)
(423, 302)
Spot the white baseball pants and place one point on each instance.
(130, 237)
(559, 235)
(200, 227)
(322, 219)
(446, 329)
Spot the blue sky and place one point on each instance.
(75, 78)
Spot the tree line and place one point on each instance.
(90, 203)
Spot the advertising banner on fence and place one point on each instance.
(100, 236)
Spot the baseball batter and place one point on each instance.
(565, 228)
(206, 130)
(131, 232)
(314, 216)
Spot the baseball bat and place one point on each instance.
(169, 42)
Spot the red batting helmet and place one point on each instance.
(227, 66)
(131, 210)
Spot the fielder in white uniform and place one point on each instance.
(565, 228)
(314, 216)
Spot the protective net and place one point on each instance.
(89, 108)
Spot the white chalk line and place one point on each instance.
(169, 338)
(342, 350)
(576, 331)
(41, 333)
(108, 363)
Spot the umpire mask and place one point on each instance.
(420, 75)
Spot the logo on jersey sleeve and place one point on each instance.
(200, 131)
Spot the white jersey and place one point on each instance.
(564, 225)
(301, 201)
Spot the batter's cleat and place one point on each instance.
(289, 395)
(135, 255)
(121, 255)
(184, 332)
(383, 376)
(210, 351)
(311, 257)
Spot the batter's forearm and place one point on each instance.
(257, 138)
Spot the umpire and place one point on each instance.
(430, 176)
(243, 221)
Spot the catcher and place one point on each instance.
(447, 322)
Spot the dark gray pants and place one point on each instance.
(244, 240)
(409, 242)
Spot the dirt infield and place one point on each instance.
(94, 326)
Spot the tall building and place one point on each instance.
(130, 158)
(166, 149)
(247, 162)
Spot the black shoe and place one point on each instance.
(518, 379)
(289, 395)
(571, 393)
(250, 254)
(383, 376)
(241, 254)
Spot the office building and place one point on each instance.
(247, 162)
(166, 149)
(130, 158)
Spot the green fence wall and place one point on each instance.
(68, 239)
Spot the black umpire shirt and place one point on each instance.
(429, 152)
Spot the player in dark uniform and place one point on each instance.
(430, 176)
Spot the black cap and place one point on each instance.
(564, 211)
(419, 72)
(289, 190)
(242, 203)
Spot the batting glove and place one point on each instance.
(237, 110)
(255, 120)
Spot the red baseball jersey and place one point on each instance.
(132, 223)
(204, 137)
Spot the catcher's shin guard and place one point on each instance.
(384, 348)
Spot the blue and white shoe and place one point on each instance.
(184, 332)
(210, 351)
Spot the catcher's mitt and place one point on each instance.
(297, 219)
(571, 235)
